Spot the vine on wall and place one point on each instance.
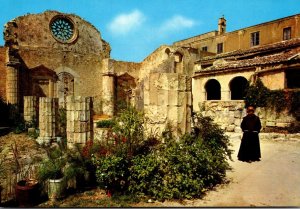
(260, 96)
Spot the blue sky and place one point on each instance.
(135, 28)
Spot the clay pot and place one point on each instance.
(57, 188)
(27, 192)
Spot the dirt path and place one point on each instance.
(274, 181)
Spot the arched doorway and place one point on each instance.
(213, 90)
(237, 87)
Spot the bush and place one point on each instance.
(105, 123)
(175, 169)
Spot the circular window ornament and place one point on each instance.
(63, 29)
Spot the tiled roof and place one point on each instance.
(259, 60)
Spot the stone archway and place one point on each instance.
(237, 87)
(213, 90)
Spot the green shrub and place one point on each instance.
(105, 123)
(175, 169)
(112, 172)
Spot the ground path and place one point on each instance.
(273, 181)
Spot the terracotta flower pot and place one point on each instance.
(27, 192)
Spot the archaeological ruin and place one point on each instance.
(53, 60)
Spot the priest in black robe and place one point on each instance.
(250, 147)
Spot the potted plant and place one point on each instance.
(55, 172)
(27, 188)
(80, 162)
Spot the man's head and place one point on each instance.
(250, 109)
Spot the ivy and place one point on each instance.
(260, 96)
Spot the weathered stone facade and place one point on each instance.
(168, 85)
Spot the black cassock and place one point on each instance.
(250, 147)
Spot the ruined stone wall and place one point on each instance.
(81, 57)
(229, 114)
(167, 99)
(132, 68)
(2, 73)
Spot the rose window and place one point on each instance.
(62, 29)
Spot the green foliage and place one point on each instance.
(112, 172)
(62, 121)
(128, 132)
(105, 124)
(260, 96)
(57, 166)
(294, 99)
(52, 167)
(175, 169)
(257, 94)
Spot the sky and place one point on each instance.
(135, 28)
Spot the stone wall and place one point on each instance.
(2, 73)
(36, 46)
(30, 108)
(167, 99)
(229, 115)
(48, 113)
(79, 120)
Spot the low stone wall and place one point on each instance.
(229, 115)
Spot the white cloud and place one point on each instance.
(125, 23)
(177, 22)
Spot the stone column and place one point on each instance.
(12, 84)
(108, 88)
(30, 109)
(51, 88)
(48, 112)
(79, 120)
(225, 95)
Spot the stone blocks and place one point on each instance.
(79, 120)
(48, 112)
(168, 100)
(30, 108)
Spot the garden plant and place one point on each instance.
(128, 162)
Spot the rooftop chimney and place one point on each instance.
(222, 25)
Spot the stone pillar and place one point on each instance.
(225, 95)
(51, 88)
(12, 84)
(48, 112)
(79, 120)
(108, 88)
(30, 109)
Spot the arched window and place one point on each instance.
(213, 90)
(237, 87)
